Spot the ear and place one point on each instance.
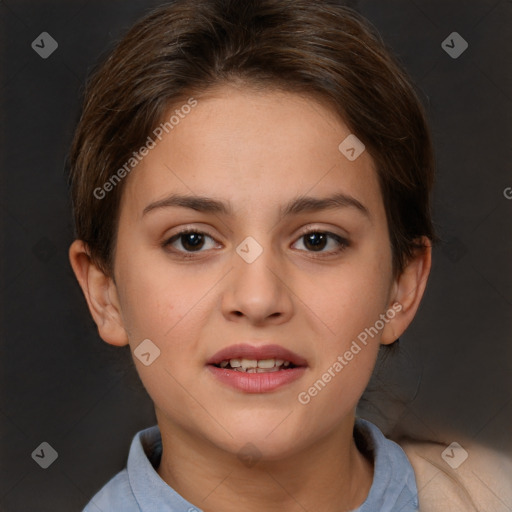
(101, 294)
(407, 292)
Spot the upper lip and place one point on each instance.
(246, 351)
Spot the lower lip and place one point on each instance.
(257, 382)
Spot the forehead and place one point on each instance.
(253, 149)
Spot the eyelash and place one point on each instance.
(343, 242)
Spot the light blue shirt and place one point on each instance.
(139, 488)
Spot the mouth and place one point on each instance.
(254, 369)
(250, 359)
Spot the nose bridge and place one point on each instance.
(256, 289)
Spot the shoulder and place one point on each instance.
(464, 478)
(116, 494)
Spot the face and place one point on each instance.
(258, 266)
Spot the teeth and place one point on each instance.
(249, 363)
(258, 370)
(254, 365)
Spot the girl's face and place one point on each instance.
(266, 168)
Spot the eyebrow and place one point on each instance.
(303, 204)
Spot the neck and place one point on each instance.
(331, 475)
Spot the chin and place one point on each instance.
(270, 440)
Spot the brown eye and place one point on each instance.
(315, 241)
(318, 241)
(190, 241)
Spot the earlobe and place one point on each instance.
(100, 293)
(407, 292)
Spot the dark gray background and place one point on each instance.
(61, 384)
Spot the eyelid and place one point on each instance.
(312, 228)
(184, 231)
(190, 228)
(333, 231)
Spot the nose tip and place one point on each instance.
(255, 291)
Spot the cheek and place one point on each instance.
(334, 393)
(344, 302)
(168, 306)
(157, 296)
(346, 358)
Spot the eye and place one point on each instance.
(314, 241)
(190, 241)
(317, 241)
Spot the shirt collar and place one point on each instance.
(393, 480)
(150, 491)
(394, 484)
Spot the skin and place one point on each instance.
(256, 151)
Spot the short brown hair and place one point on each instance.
(315, 47)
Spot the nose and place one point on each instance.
(258, 292)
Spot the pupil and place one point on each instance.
(191, 241)
(316, 241)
